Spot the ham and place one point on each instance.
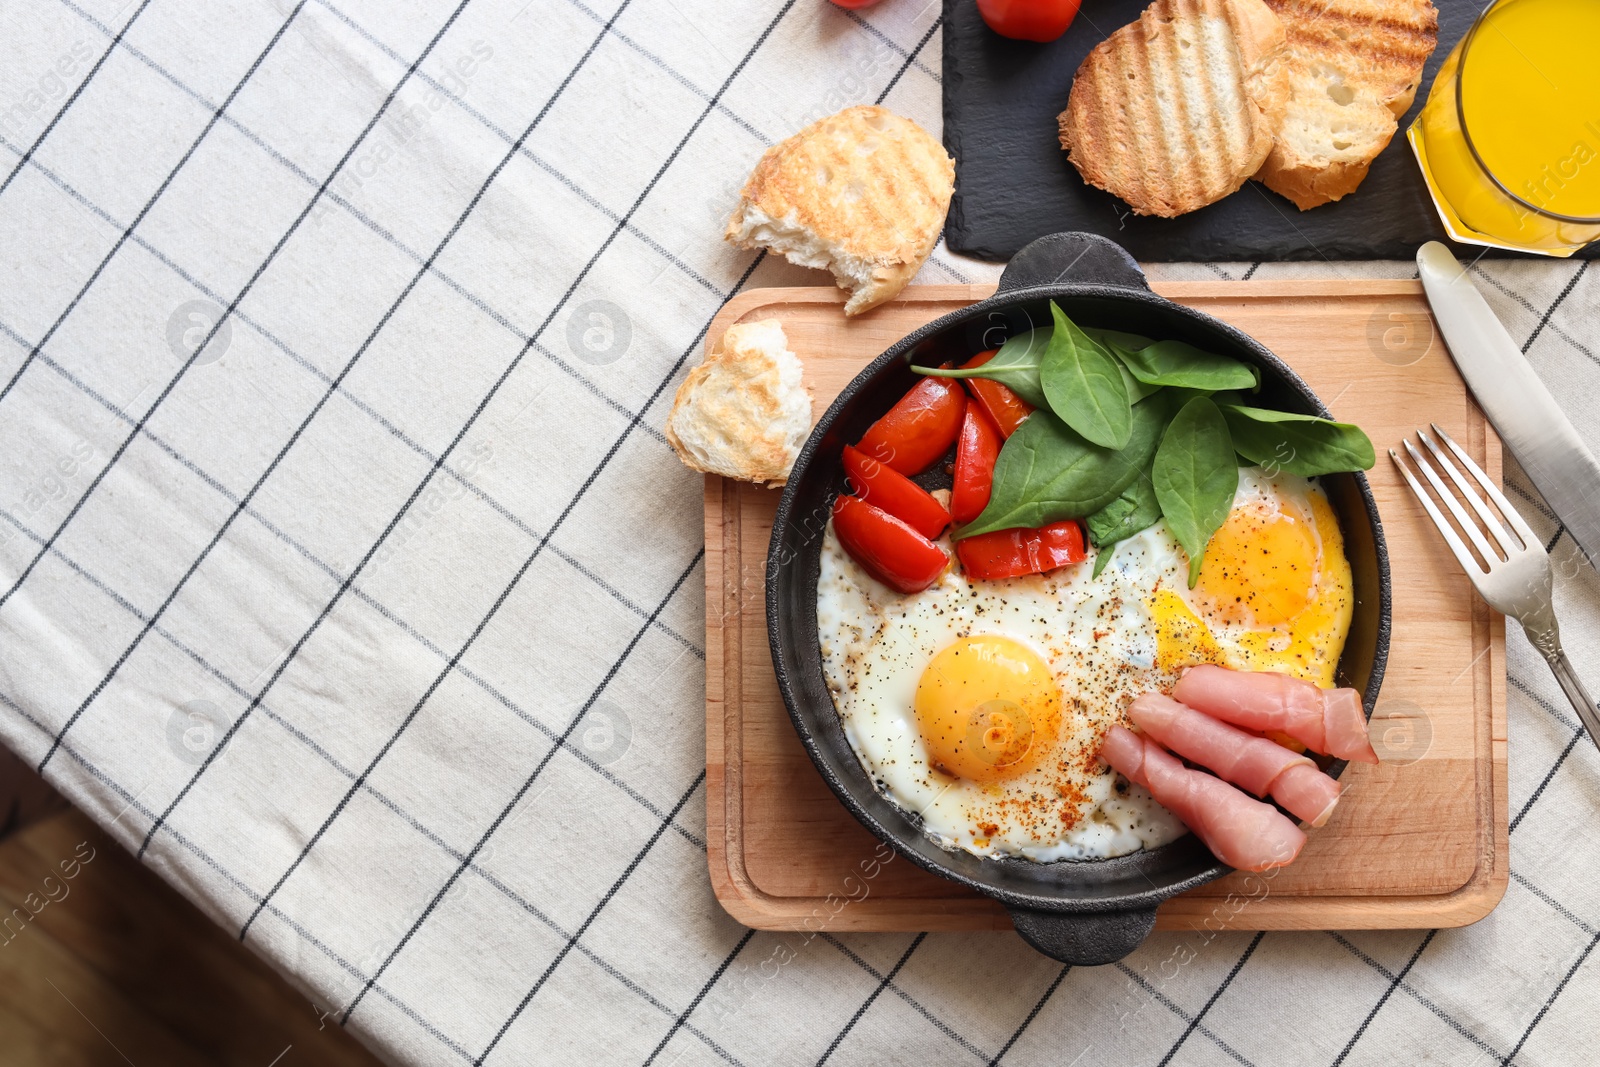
(1307, 792)
(1253, 763)
(1324, 720)
(1242, 832)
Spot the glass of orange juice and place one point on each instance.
(1509, 140)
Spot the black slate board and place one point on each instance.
(1013, 181)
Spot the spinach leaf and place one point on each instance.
(1116, 343)
(1047, 471)
(1084, 385)
(1177, 363)
(1180, 395)
(1195, 477)
(1116, 339)
(1015, 366)
(1299, 444)
(1137, 390)
(1133, 511)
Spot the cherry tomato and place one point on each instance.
(918, 430)
(891, 551)
(976, 451)
(888, 490)
(1029, 20)
(1005, 409)
(1009, 553)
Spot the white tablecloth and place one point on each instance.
(368, 611)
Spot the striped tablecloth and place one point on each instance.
(346, 577)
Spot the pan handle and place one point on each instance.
(1084, 939)
(1068, 258)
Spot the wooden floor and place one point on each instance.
(118, 969)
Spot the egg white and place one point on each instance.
(1099, 642)
(1099, 638)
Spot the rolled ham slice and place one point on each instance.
(1242, 832)
(1257, 764)
(1324, 720)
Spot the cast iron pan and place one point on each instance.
(1077, 911)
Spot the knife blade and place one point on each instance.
(1510, 392)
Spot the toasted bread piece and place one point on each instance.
(1354, 67)
(1177, 110)
(862, 193)
(744, 412)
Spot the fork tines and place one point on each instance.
(1512, 536)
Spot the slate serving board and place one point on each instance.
(1013, 181)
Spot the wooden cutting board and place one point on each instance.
(1419, 841)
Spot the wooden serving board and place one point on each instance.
(1419, 840)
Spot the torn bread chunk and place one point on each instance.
(744, 412)
(862, 194)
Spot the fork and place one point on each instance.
(1515, 580)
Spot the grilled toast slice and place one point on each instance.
(1354, 67)
(1178, 109)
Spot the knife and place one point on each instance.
(1509, 391)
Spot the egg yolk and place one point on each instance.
(1260, 569)
(1275, 594)
(988, 709)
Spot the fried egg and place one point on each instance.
(1275, 591)
(978, 707)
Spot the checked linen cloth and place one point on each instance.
(347, 579)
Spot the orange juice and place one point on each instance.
(1509, 139)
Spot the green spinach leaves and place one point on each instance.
(1184, 365)
(1135, 510)
(1047, 471)
(1016, 366)
(1130, 431)
(1300, 444)
(1083, 383)
(1195, 477)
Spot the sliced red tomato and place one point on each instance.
(1005, 409)
(888, 490)
(854, 3)
(888, 548)
(1029, 20)
(976, 450)
(919, 429)
(1010, 553)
